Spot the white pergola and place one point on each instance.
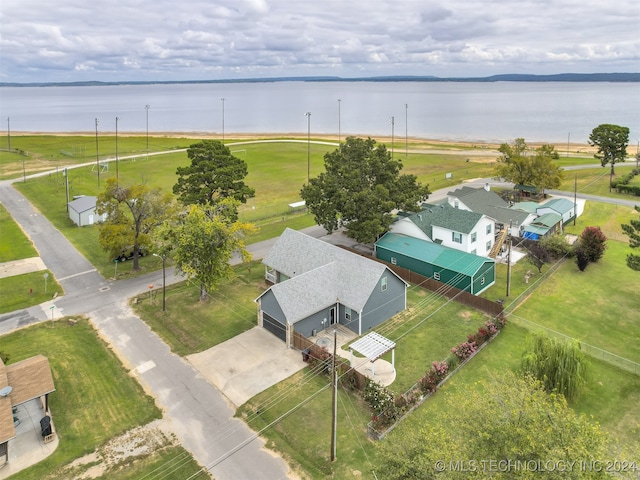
(373, 346)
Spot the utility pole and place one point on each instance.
(66, 183)
(509, 262)
(575, 199)
(117, 176)
(334, 382)
(97, 156)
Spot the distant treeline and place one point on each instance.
(562, 77)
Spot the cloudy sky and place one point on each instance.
(76, 40)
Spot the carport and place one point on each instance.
(374, 346)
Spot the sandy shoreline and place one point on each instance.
(398, 140)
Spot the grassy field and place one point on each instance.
(15, 245)
(595, 181)
(190, 326)
(22, 291)
(95, 399)
(611, 396)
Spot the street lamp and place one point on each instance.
(339, 127)
(147, 107)
(117, 176)
(222, 99)
(308, 114)
(97, 158)
(406, 130)
(164, 304)
(393, 127)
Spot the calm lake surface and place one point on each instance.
(502, 111)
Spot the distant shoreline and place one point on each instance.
(561, 77)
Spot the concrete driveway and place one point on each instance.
(247, 364)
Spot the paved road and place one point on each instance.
(198, 412)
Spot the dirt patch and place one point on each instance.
(137, 443)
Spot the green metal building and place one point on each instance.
(462, 270)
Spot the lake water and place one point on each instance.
(502, 111)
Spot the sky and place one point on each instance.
(161, 40)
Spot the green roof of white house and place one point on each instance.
(433, 253)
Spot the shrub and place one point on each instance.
(379, 398)
(581, 259)
(464, 350)
(593, 243)
(557, 246)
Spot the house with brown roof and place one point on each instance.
(20, 383)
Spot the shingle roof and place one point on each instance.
(320, 274)
(82, 204)
(444, 216)
(490, 204)
(29, 379)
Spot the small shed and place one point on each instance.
(82, 211)
(462, 270)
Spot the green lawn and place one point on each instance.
(95, 398)
(14, 245)
(190, 326)
(22, 291)
(595, 181)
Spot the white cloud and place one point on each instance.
(143, 39)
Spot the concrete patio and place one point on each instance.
(28, 447)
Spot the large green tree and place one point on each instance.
(612, 141)
(132, 213)
(508, 419)
(213, 175)
(632, 230)
(519, 165)
(202, 241)
(360, 188)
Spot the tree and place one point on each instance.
(213, 175)
(612, 141)
(632, 230)
(581, 259)
(506, 418)
(202, 243)
(132, 213)
(517, 166)
(593, 243)
(360, 188)
(537, 253)
(560, 366)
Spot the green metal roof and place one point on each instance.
(430, 252)
(547, 220)
(560, 205)
(530, 207)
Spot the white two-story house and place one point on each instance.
(449, 226)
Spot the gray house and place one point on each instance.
(82, 211)
(316, 285)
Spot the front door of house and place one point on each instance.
(333, 316)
